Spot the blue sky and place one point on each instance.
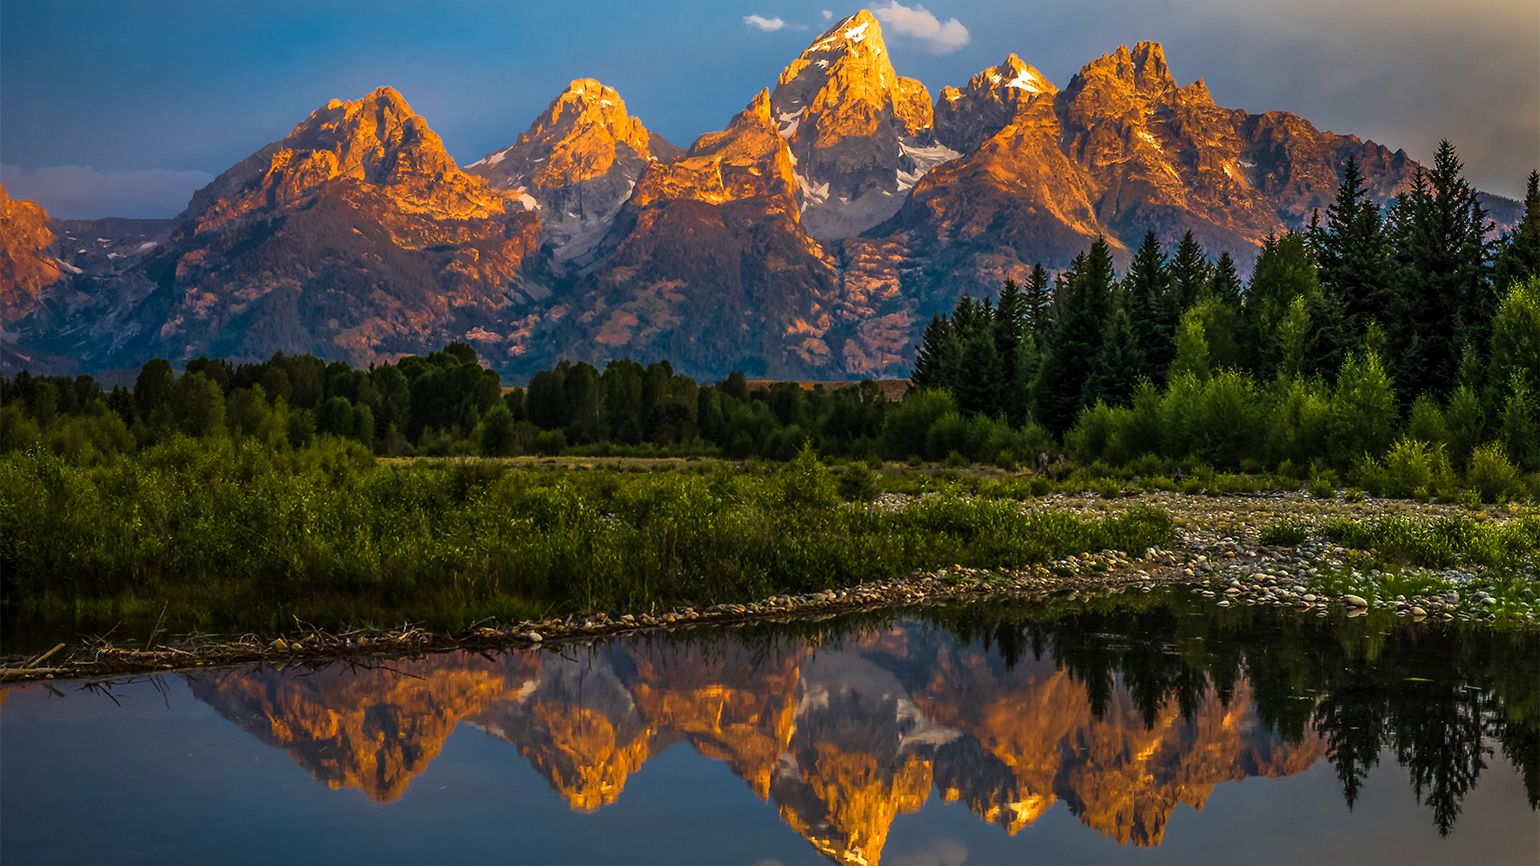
(123, 108)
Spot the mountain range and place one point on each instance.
(812, 237)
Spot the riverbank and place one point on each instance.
(1223, 548)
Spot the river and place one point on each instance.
(1139, 728)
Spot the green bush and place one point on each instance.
(856, 482)
(1287, 532)
(1323, 484)
(1491, 475)
(1441, 543)
(1414, 469)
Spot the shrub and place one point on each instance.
(549, 443)
(1323, 485)
(856, 482)
(1491, 475)
(1414, 469)
(1287, 532)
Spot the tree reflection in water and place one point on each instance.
(1121, 707)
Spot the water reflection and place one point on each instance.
(1122, 714)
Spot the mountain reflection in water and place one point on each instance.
(1122, 713)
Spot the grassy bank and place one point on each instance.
(228, 535)
(1454, 563)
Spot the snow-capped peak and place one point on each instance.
(1028, 79)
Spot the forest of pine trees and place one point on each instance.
(1421, 320)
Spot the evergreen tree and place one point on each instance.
(1353, 254)
(1443, 296)
(153, 387)
(1119, 363)
(977, 386)
(1515, 343)
(1518, 257)
(938, 356)
(1222, 332)
(1521, 425)
(1285, 270)
(1012, 335)
(1080, 309)
(1225, 284)
(1191, 273)
(1152, 311)
(1363, 408)
(1293, 336)
(1037, 302)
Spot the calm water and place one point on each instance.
(1141, 731)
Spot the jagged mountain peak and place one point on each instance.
(576, 163)
(965, 117)
(758, 109)
(376, 141)
(580, 136)
(860, 133)
(1141, 70)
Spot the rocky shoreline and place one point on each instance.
(1217, 554)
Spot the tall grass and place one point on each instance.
(224, 535)
(1441, 543)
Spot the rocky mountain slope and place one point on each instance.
(812, 237)
(577, 163)
(860, 134)
(27, 265)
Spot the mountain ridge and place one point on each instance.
(812, 237)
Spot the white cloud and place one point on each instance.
(83, 192)
(918, 23)
(827, 15)
(760, 22)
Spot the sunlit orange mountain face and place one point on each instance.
(812, 237)
(841, 741)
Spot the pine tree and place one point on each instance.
(1225, 284)
(1353, 253)
(1191, 272)
(1293, 337)
(1119, 363)
(937, 359)
(1080, 309)
(1515, 352)
(1285, 271)
(1152, 311)
(1444, 298)
(1038, 304)
(976, 386)
(1011, 332)
(1518, 257)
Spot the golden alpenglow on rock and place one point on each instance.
(812, 237)
(861, 135)
(26, 267)
(577, 163)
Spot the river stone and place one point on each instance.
(1354, 601)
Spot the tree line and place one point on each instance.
(1365, 327)
(1409, 337)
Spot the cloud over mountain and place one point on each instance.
(920, 24)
